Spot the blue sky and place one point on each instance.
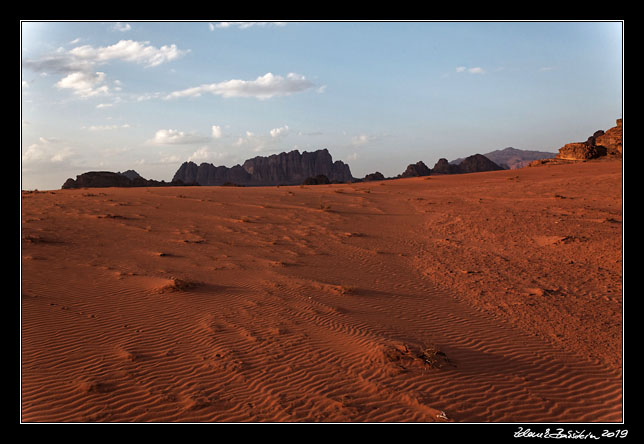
(379, 95)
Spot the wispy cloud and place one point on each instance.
(264, 141)
(47, 150)
(86, 57)
(78, 65)
(473, 70)
(129, 51)
(175, 137)
(215, 131)
(263, 87)
(277, 132)
(361, 139)
(106, 127)
(122, 27)
(243, 25)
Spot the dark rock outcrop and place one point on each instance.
(278, 169)
(473, 164)
(477, 163)
(374, 176)
(208, 174)
(416, 170)
(131, 174)
(444, 167)
(320, 179)
(106, 179)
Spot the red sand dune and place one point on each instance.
(488, 297)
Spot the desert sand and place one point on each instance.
(486, 297)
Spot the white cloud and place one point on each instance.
(106, 127)
(174, 137)
(201, 154)
(474, 70)
(123, 27)
(204, 154)
(104, 105)
(360, 140)
(84, 58)
(276, 132)
(147, 96)
(216, 131)
(84, 84)
(245, 25)
(46, 150)
(211, 26)
(130, 51)
(263, 87)
(62, 155)
(256, 143)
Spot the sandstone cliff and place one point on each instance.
(600, 145)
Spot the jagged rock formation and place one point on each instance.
(472, 164)
(600, 145)
(105, 179)
(444, 167)
(612, 140)
(208, 174)
(278, 169)
(416, 169)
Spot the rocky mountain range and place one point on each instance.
(471, 164)
(291, 168)
(318, 167)
(511, 158)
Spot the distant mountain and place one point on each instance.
(291, 168)
(475, 163)
(512, 158)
